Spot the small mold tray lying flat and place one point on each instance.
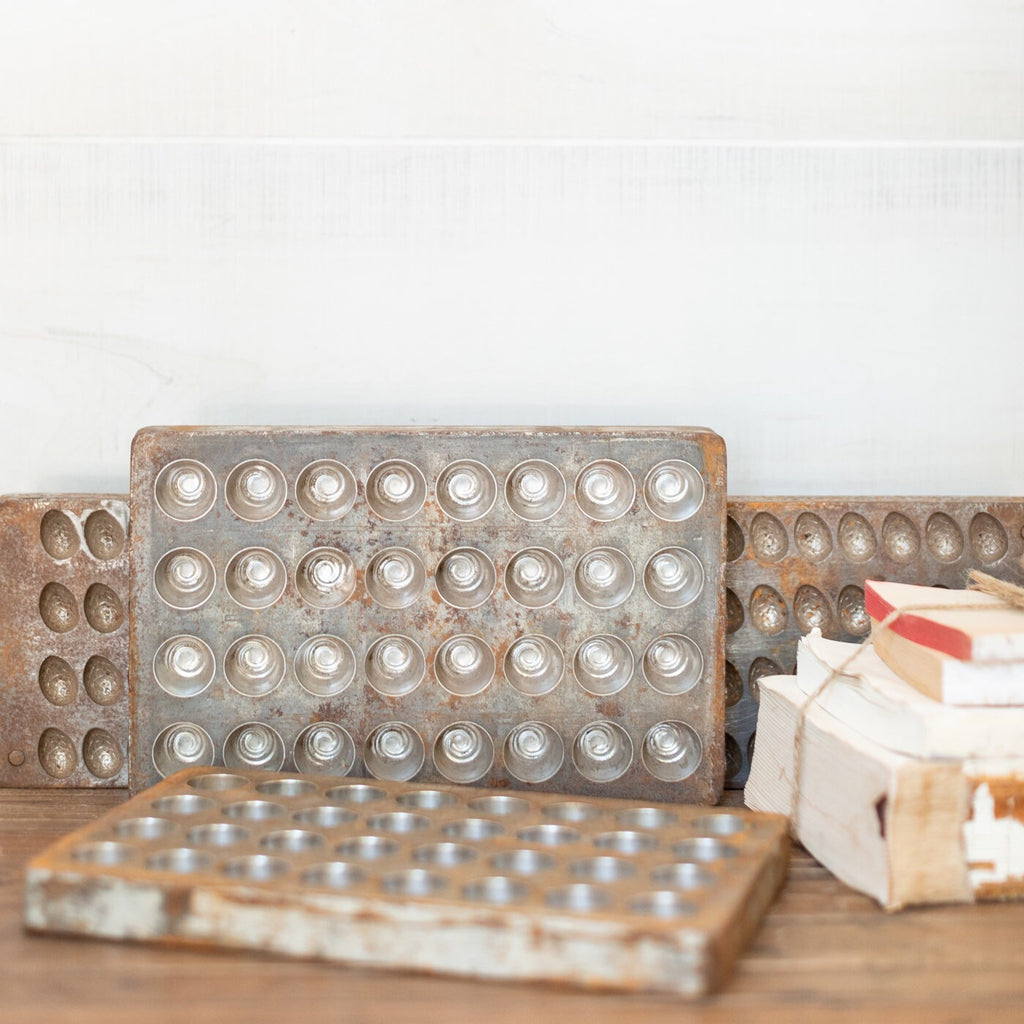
(514, 608)
(64, 640)
(798, 563)
(448, 879)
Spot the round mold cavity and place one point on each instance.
(463, 752)
(357, 793)
(646, 817)
(57, 681)
(581, 897)
(672, 664)
(335, 874)
(292, 840)
(988, 538)
(603, 664)
(733, 685)
(466, 490)
(396, 490)
(944, 539)
(255, 577)
(759, 668)
(703, 848)
(605, 490)
(57, 754)
(602, 752)
(105, 853)
(735, 542)
(395, 578)
(397, 822)
(496, 889)
(673, 577)
(733, 611)
(219, 834)
(394, 665)
(674, 490)
(324, 665)
(103, 608)
(853, 616)
(750, 747)
(59, 535)
(426, 799)
(104, 535)
(604, 577)
(523, 862)
(324, 747)
(768, 538)
(254, 810)
(254, 745)
(720, 824)
(254, 665)
(103, 681)
(414, 882)
(185, 490)
(768, 610)
(733, 757)
(662, 903)
(326, 490)
(501, 805)
(368, 847)
(286, 787)
(184, 666)
(182, 860)
(533, 752)
(602, 869)
(671, 751)
(58, 608)
(856, 537)
(217, 782)
(444, 855)
(627, 841)
(258, 867)
(465, 578)
(255, 490)
(534, 577)
(472, 829)
(811, 609)
(900, 538)
(325, 816)
(394, 751)
(549, 835)
(144, 829)
(182, 745)
(682, 876)
(571, 811)
(325, 577)
(464, 665)
(101, 754)
(183, 804)
(535, 490)
(534, 665)
(813, 537)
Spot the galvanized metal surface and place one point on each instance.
(456, 880)
(797, 563)
(63, 640)
(278, 550)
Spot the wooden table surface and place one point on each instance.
(823, 954)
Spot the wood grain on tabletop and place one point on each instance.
(824, 953)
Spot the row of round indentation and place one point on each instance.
(734, 762)
(901, 538)
(395, 490)
(811, 610)
(61, 536)
(759, 668)
(103, 681)
(103, 609)
(395, 578)
(394, 665)
(58, 755)
(462, 752)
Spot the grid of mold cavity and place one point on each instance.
(65, 706)
(676, 865)
(456, 607)
(794, 564)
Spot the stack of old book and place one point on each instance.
(901, 761)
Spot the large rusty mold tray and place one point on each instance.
(799, 563)
(63, 640)
(511, 608)
(448, 879)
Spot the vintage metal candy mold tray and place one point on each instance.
(63, 640)
(449, 879)
(798, 563)
(520, 608)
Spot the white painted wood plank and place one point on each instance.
(850, 318)
(879, 69)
